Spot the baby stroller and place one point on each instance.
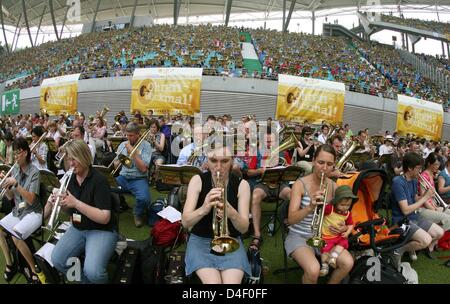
(373, 242)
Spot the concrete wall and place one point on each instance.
(236, 96)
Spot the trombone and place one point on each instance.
(317, 221)
(127, 160)
(439, 202)
(222, 242)
(38, 142)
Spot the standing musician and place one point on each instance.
(94, 227)
(26, 216)
(202, 199)
(135, 179)
(306, 195)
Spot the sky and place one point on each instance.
(300, 22)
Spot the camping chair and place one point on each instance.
(370, 231)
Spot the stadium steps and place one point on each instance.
(251, 61)
(247, 36)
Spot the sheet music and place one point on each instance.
(171, 214)
(45, 252)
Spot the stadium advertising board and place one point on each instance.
(166, 90)
(315, 100)
(10, 102)
(60, 94)
(419, 117)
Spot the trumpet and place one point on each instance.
(222, 243)
(56, 207)
(317, 221)
(439, 202)
(3, 192)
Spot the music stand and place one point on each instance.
(272, 178)
(116, 141)
(49, 179)
(107, 173)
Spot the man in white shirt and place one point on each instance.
(323, 135)
(387, 147)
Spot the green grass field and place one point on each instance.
(429, 271)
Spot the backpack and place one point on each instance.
(444, 241)
(153, 262)
(166, 234)
(363, 271)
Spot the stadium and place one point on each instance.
(111, 92)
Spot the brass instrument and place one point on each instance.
(126, 160)
(59, 157)
(222, 243)
(439, 202)
(43, 111)
(56, 207)
(344, 164)
(317, 221)
(38, 141)
(3, 192)
(103, 112)
(290, 142)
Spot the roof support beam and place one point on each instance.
(39, 26)
(313, 19)
(18, 36)
(15, 32)
(52, 14)
(24, 11)
(95, 15)
(3, 26)
(176, 11)
(132, 13)
(64, 21)
(288, 19)
(227, 16)
(284, 16)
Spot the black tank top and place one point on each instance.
(308, 156)
(204, 227)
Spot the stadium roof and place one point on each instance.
(13, 10)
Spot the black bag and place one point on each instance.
(362, 272)
(175, 273)
(52, 275)
(127, 271)
(153, 262)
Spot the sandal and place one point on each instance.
(324, 270)
(256, 242)
(10, 272)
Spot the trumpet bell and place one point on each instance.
(316, 242)
(224, 244)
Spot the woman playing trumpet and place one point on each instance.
(94, 228)
(305, 196)
(198, 215)
(40, 150)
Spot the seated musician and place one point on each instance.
(39, 153)
(54, 133)
(387, 147)
(134, 180)
(78, 133)
(306, 195)
(186, 155)
(305, 150)
(406, 202)
(337, 143)
(158, 141)
(26, 217)
(94, 227)
(256, 169)
(211, 265)
(444, 183)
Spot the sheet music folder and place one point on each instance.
(177, 175)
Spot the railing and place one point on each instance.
(440, 78)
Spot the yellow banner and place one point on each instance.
(166, 90)
(419, 117)
(60, 94)
(315, 100)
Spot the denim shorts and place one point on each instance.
(198, 255)
(420, 223)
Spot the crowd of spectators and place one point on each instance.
(433, 26)
(369, 68)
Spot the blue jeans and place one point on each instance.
(98, 246)
(138, 187)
